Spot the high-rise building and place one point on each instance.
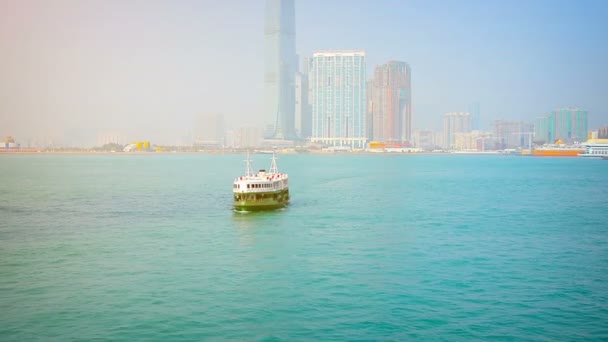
(424, 139)
(338, 97)
(602, 133)
(280, 69)
(303, 114)
(392, 102)
(570, 124)
(369, 109)
(541, 130)
(210, 131)
(474, 140)
(455, 123)
(475, 116)
(565, 124)
(248, 136)
(512, 134)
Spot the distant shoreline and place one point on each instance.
(89, 153)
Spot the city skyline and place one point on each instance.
(75, 70)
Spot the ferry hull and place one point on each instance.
(261, 200)
(557, 153)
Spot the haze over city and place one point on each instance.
(151, 70)
(303, 170)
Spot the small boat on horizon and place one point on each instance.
(264, 190)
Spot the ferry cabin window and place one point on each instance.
(248, 186)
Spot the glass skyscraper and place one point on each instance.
(280, 69)
(338, 98)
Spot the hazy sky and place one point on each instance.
(70, 70)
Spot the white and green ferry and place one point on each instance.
(262, 191)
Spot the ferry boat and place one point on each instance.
(264, 190)
(558, 149)
(595, 148)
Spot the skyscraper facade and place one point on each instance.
(280, 69)
(570, 124)
(565, 124)
(392, 102)
(369, 109)
(338, 98)
(541, 130)
(455, 123)
(303, 111)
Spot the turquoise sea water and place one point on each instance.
(372, 247)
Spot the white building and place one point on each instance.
(338, 98)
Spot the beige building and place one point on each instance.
(248, 136)
(473, 141)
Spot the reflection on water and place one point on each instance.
(251, 224)
(254, 219)
(359, 259)
(255, 226)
